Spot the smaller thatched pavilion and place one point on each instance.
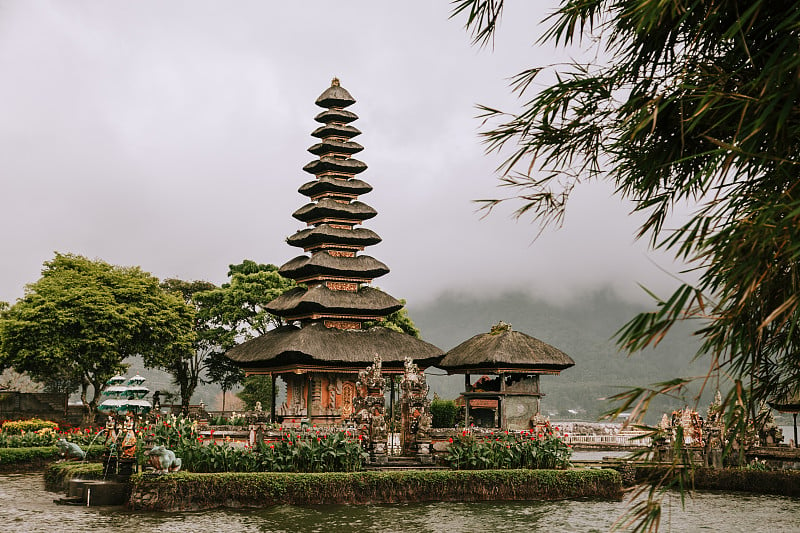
(510, 400)
(788, 404)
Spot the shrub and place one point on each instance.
(444, 413)
(305, 451)
(504, 450)
(18, 427)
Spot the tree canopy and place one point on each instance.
(83, 318)
(238, 305)
(187, 368)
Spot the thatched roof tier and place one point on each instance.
(331, 146)
(327, 184)
(335, 96)
(788, 403)
(303, 268)
(334, 164)
(505, 351)
(327, 208)
(325, 234)
(336, 115)
(316, 347)
(344, 131)
(318, 301)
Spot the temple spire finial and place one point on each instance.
(335, 82)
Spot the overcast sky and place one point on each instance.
(171, 135)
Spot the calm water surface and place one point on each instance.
(26, 506)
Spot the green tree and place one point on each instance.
(235, 312)
(84, 317)
(223, 372)
(256, 388)
(238, 305)
(398, 321)
(692, 102)
(187, 368)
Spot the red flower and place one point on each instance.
(451, 439)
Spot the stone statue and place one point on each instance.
(70, 450)
(415, 409)
(127, 448)
(378, 432)
(258, 407)
(163, 460)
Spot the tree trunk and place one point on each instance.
(86, 418)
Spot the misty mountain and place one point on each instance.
(583, 329)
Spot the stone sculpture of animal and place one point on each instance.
(70, 450)
(163, 460)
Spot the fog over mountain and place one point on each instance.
(583, 329)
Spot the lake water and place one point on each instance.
(26, 506)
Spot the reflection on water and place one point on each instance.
(26, 506)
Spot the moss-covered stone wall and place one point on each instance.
(187, 491)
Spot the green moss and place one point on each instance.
(57, 475)
(183, 491)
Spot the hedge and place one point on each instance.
(36, 457)
(778, 482)
(190, 491)
(57, 475)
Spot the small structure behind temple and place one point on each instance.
(509, 399)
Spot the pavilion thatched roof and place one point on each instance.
(505, 350)
(314, 346)
(788, 403)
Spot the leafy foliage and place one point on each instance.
(504, 450)
(256, 388)
(18, 427)
(443, 413)
(238, 307)
(305, 451)
(187, 367)
(83, 318)
(693, 102)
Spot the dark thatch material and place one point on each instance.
(336, 130)
(323, 263)
(328, 208)
(317, 345)
(336, 115)
(318, 299)
(324, 234)
(325, 184)
(332, 164)
(504, 350)
(329, 146)
(789, 403)
(335, 96)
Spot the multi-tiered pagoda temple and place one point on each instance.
(328, 342)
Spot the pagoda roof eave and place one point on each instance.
(292, 348)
